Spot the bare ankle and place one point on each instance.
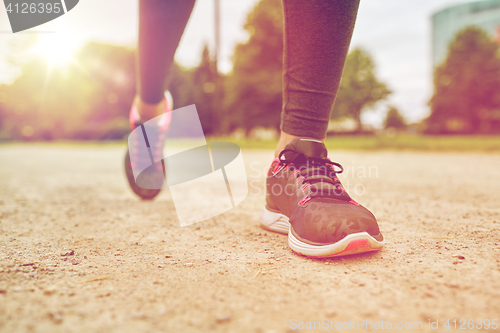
(285, 139)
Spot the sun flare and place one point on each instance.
(56, 48)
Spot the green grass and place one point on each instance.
(417, 142)
(346, 142)
(385, 142)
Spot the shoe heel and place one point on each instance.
(276, 222)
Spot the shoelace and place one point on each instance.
(137, 158)
(311, 171)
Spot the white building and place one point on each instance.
(447, 22)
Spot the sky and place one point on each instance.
(396, 33)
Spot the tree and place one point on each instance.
(466, 84)
(253, 89)
(197, 86)
(91, 98)
(359, 88)
(394, 119)
(204, 89)
(85, 101)
(111, 72)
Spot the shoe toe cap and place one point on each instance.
(327, 221)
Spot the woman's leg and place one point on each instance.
(161, 24)
(317, 34)
(318, 215)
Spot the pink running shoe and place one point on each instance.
(145, 152)
(306, 200)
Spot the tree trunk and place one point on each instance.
(357, 118)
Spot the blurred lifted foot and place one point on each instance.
(147, 150)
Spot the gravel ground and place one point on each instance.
(80, 253)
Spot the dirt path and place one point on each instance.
(80, 253)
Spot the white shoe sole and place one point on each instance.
(351, 244)
(276, 222)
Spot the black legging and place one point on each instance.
(317, 34)
(161, 24)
